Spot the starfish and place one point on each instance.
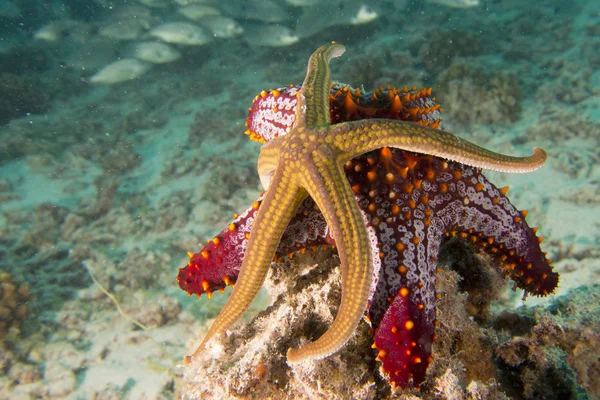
(385, 210)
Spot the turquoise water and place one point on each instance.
(122, 147)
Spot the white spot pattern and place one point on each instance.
(273, 116)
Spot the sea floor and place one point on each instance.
(123, 180)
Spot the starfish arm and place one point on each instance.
(272, 218)
(313, 104)
(328, 186)
(414, 202)
(268, 161)
(358, 137)
(218, 263)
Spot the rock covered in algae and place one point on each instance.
(553, 353)
(14, 309)
(251, 362)
(477, 355)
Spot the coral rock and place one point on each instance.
(252, 362)
(13, 304)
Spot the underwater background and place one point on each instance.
(122, 148)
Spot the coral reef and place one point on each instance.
(106, 189)
(366, 69)
(15, 299)
(6, 191)
(53, 367)
(591, 47)
(471, 95)
(578, 134)
(556, 354)
(20, 96)
(515, 46)
(515, 354)
(145, 278)
(14, 309)
(559, 125)
(120, 158)
(251, 362)
(142, 119)
(25, 60)
(570, 84)
(44, 261)
(205, 123)
(441, 46)
(35, 136)
(585, 195)
(160, 312)
(381, 66)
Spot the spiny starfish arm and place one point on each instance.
(218, 263)
(328, 186)
(415, 201)
(358, 137)
(313, 100)
(272, 218)
(268, 161)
